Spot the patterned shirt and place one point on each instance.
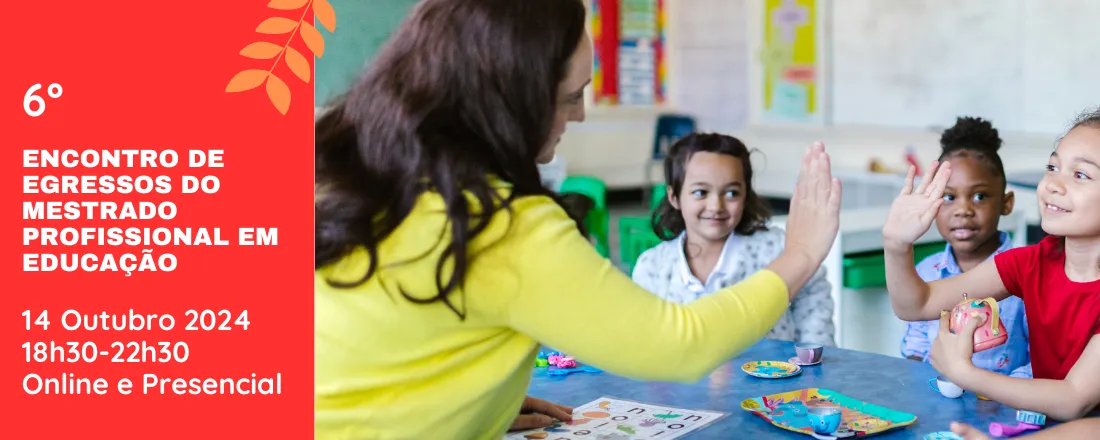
(664, 271)
(1012, 359)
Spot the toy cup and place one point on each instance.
(943, 386)
(808, 353)
(824, 420)
(988, 335)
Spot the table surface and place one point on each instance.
(895, 383)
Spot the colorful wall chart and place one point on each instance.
(789, 58)
(629, 41)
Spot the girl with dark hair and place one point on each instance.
(715, 234)
(442, 261)
(1058, 280)
(973, 202)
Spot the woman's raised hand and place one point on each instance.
(814, 217)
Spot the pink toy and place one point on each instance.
(1027, 421)
(1003, 430)
(567, 362)
(554, 359)
(988, 335)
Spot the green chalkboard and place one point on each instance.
(361, 28)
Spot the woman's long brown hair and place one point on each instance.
(463, 90)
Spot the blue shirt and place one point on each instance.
(1012, 358)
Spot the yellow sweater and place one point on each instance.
(387, 368)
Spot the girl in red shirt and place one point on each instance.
(1058, 279)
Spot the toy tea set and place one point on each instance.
(991, 333)
(827, 414)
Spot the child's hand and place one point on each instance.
(968, 432)
(913, 211)
(538, 413)
(952, 352)
(815, 208)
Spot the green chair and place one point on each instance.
(657, 195)
(598, 220)
(590, 186)
(635, 236)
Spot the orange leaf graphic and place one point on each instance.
(246, 80)
(261, 50)
(324, 13)
(286, 4)
(297, 63)
(279, 93)
(276, 25)
(313, 39)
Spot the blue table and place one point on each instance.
(894, 383)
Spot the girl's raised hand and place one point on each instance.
(913, 210)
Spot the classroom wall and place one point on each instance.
(708, 59)
(364, 25)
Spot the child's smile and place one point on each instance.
(1069, 190)
(712, 198)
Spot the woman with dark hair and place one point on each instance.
(442, 261)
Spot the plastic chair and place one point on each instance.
(635, 236)
(670, 128)
(658, 195)
(598, 219)
(589, 186)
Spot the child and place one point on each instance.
(973, 203)
(1058, 279)
(715, 234)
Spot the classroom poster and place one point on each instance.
(790, 60)
(158, 223)
(629, 51)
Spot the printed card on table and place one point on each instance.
(609, 418)
(158, 223)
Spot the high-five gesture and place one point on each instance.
(913, 211)
(815, 207)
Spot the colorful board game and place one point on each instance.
(608, 418)
(788, 411)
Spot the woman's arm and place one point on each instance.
(813, 311)
(570, 298)
(1067, 399)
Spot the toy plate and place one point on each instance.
(789, 411)
(795, 360)
(771, 369)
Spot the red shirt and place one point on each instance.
(1062, 315)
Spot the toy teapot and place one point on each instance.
(988, 335)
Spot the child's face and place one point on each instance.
(1069, 194)
(973, 202)
(713, 195)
